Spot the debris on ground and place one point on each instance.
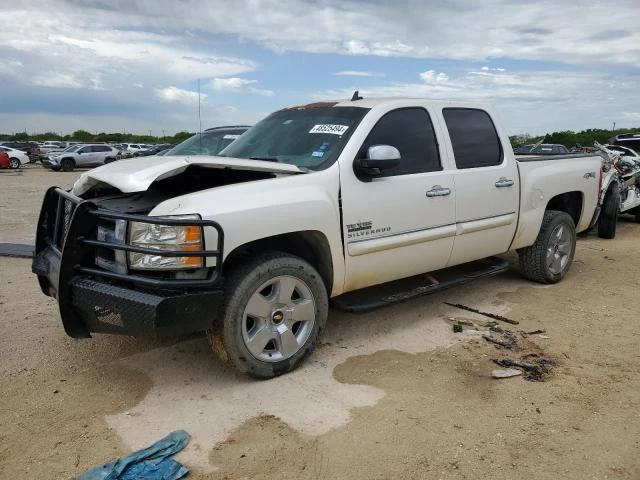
(457, 328)
(505, 373)
(505, 338)
(486, 314)
(535, 366)
(152, 463)
(534, 332)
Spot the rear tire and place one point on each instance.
(276, 306)
(609, 216)
(14, 163)
(109, 160)
(548, 260)
(66, 165)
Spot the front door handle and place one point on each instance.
(438, 191)
(504, 182)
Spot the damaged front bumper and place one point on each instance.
(92, 298)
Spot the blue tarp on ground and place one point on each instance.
(152, 463)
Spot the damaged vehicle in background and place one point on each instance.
(315, 202)
(620, 189)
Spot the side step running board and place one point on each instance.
(378, 296)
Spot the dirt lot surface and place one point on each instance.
(389, 394)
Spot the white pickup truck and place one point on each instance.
(313, 202)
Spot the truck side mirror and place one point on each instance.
(378, 159)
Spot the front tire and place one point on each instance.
(66, 165)
(14, 163)
(276, 307)
(609, 217)
(548, 260)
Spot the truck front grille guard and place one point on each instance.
(69, 210)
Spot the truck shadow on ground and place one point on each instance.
(192, 390)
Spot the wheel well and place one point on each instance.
(309, 245)
(570, 202)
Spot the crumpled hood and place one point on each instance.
(138, 173)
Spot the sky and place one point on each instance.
(134, 66)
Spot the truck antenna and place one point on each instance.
(199, 118)
(356, 96)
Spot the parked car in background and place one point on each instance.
(83, 156)
(153, 150)
(542, 149)
(128, 149)
(210, 142)
(50, 146)
(619, 187)
(629, 140)
(4, 160)
(17, 157)
(30, 148)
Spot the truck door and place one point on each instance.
(401, 223)
(486, 183)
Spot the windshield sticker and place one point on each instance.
(287, 122)
(317, 153)
(332, 129)
(230, 137)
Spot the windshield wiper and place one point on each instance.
(266, 159)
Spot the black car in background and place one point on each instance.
(210, 142)
(154, 150)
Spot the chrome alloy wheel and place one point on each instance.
(559, 249)
(278, 319)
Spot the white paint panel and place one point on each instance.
(485, 224)
(402, 240)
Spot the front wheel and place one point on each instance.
(66, 165)
(276, 306)
(548, 260)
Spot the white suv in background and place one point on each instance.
(128, 149)
(83, 156)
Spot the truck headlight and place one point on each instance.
(185, 238)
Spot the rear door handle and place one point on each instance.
(504, 182)
(438, 191)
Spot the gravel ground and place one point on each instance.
(388, 394)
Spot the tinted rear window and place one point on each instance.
(474, 137)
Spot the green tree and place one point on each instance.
(82, 136)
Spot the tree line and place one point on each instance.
(568, 138)
(87, 137)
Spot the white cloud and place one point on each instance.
(263, 92)
(233, 83)
(528, 101)
(56, 80)
(431, 76)
(236, 84)
(358, 73)
(175, 94)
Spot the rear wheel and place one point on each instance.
(276, 306)
(14, 162)
(66, 165)
(109, 160)
(609, 216)
(548, 260)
